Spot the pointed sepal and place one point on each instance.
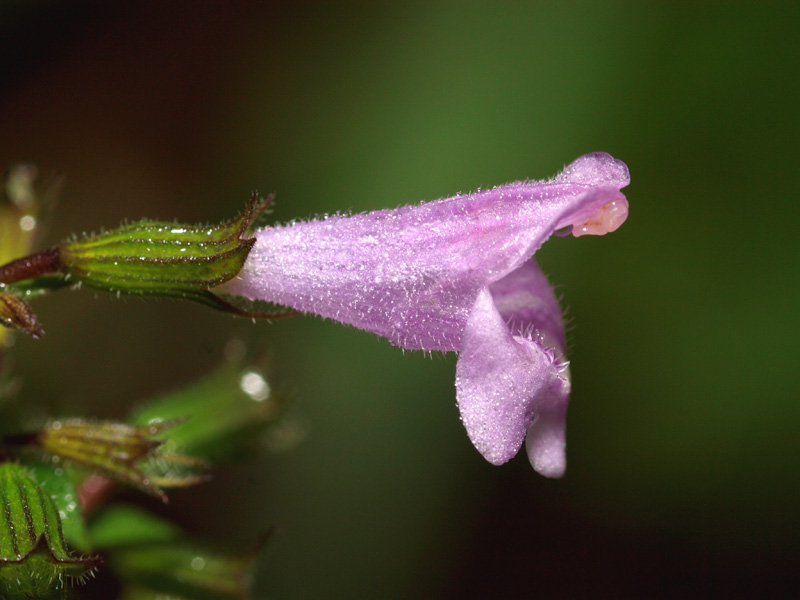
(161, 258)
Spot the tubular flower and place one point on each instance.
(456, 274)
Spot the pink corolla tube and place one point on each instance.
(456, 275)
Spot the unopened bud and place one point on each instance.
(126, 453)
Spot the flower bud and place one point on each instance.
(16, 314)
(122, 452)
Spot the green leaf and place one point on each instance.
(57, 485)
(126, 525)
(34, 558)
(184, 569)
(133, 592)
(227, 412)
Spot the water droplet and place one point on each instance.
(27, 223)
(254, 385)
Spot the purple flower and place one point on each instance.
(456, 275)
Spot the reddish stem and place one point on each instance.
(46, 262)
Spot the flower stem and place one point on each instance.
(47, 262)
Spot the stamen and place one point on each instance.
(610, 216)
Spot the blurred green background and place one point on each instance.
(684, 460)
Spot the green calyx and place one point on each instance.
(34, 559)
(147, 258)
(163, 259)
(125, 453)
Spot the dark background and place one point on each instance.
(683, 477)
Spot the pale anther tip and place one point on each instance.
(608, 218)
